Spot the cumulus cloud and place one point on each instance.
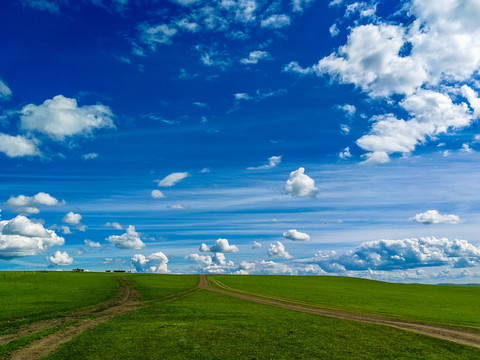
(72, 218)
(157, 194)
(215, 264)
(256, 245)
(92, 244)
(434, 217)
(114, 224)
(220, 246)
(61, 117)
(348, 109)
(29, 204)
(425, 63)
(276, 21)
(345, 154)
(400, 255)
(296, 235)
(273, 161)
(22, 237)
(277, 250)
(172, 179)
(432, 113)
(255, 56)
(60, 258)
(153, 263)
(301, 185)
(129, 240)
(5, 91)
(17, 146)
(65, 230)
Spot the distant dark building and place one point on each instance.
(78, 270)
(118, 270)
(108, 270)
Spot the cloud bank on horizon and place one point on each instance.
(253, 119)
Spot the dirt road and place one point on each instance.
(457, 335)
(122, 303)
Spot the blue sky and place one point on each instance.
(288, 137)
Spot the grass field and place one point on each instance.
(32, 296)
(177, 320)
(454, 305)
(206, 325)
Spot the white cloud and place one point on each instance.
(273, 161)
(89, 156)
(72, 218)
(115, 225)
(473, 100)
(172, 179)
(187, 25)
(335, 3)
(400, 255)
(157, 194)
(61, 117)
(220, 246)
(177, 207)
(5, 91)
(92, 244)
(334, 30)
(242, 96)
(256, 245)
(61, 258)
(348, 109)
(29, 204)
(276, 21)
(65, 230)
(434, 217)
(17, 146)
(277, 250)
(295, 235)
(299, 5)
(153, 263)
(433, 114)
(439, 50)
(158, 34)
(345, 154)
(466, 149)
(22, 237)
(215, 264)
(205, 170)
(344, 129)
(301, 185)
(42, 5)
(129, 240)
(254, 57)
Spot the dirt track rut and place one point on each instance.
(457, 335)
(122, 303)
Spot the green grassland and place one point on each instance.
(453, 305)
(177, 320)
(154, 286)
(31, 296)
(208, 325)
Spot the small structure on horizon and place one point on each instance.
(78, 270)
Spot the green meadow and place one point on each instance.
(28, 296)
(177, 320)
(440, 304)
(207, 325)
